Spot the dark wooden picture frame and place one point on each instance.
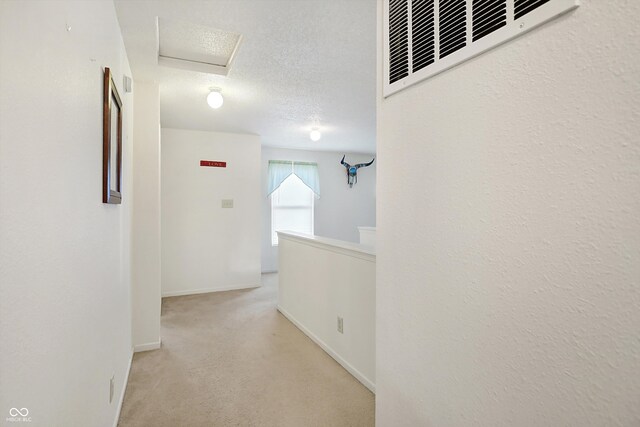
(111, 142)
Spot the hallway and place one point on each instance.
(230, 358)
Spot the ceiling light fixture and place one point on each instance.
(215, 99)
(315, 134)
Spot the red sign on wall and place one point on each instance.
(213, 164)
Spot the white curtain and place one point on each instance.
(279, 170)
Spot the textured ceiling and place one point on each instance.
(301, 63)
(182, 39)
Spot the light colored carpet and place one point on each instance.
(231, 359)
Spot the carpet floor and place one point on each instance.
(231, 359)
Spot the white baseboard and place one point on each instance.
(148, 346)
(208, 290)
(124, 390)
(353, 371)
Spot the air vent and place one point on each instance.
(398, 40)
(453, 26)
(522, 7)
(426, 37)
(488, 16)
(423, 34)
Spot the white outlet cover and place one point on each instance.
(227, 203)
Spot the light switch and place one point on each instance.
(227, 203)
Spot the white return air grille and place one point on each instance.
(426, 37)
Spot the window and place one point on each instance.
(293, 187)
(291, 207)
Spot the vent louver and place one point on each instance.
(398, 40)
(421, 36)
(488, 16)
(522, 7)
(453, 26)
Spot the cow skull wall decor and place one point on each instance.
(352, 171)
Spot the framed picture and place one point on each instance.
(112, 142)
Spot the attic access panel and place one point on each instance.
(423, 38)
(195, 47)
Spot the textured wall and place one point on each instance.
(509, 256)
(65, 324)
(339, 210)
(206, 247)
(146, 257)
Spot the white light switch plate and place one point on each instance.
(227, 203)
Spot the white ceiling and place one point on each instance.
(300, 63)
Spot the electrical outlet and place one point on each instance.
(111, 381)
(340, 325)
(227, 203)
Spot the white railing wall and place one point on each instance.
(322, 279)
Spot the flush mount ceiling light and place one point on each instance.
(315, 134)
(215, 99)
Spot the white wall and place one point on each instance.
(339, 210)
(206, 247)
(508, 252)
(146, 286)
(322, 279)
(65, 324)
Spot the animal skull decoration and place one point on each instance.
(352, 171)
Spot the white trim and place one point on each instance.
(207, 290)
(148, 346)
(355, 250)
(353, 371)
(269, 271)
(186, 64)
(124, 390)
(233, 54)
